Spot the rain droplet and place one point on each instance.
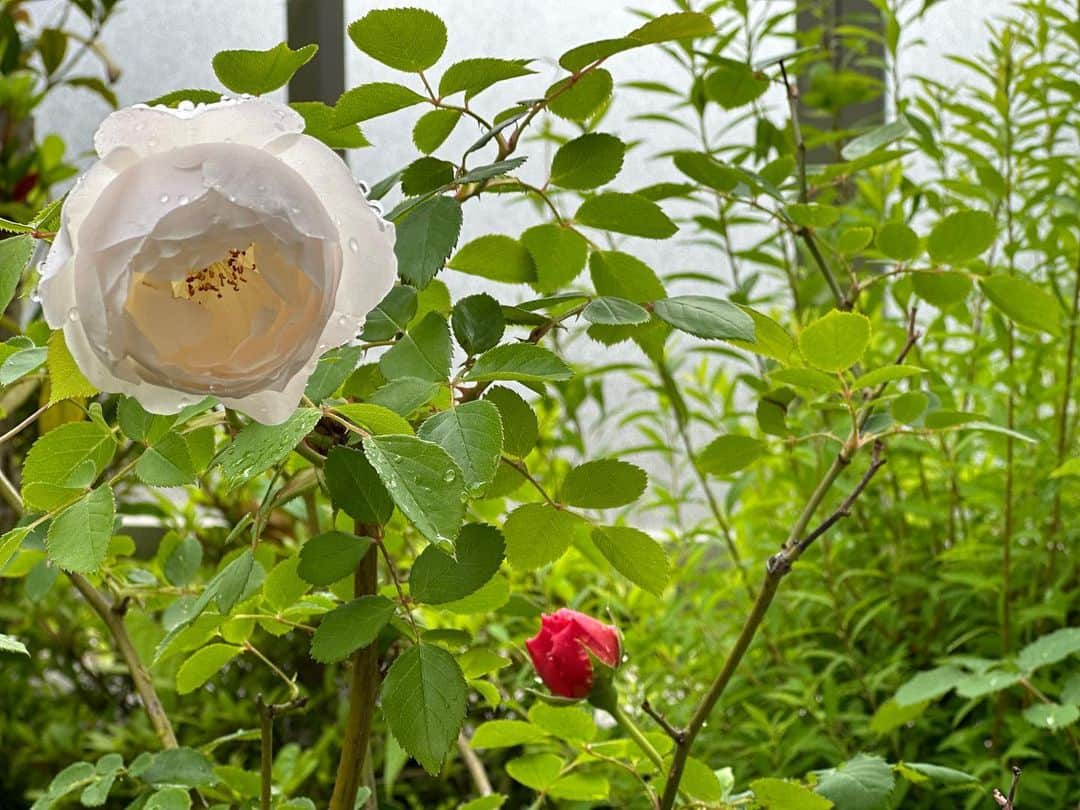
(186, 105)
(448, 476)
(183, 199)
(354, 246)
(164, 198)
(295, 209)
(152, 142)
(73, 315)
(343, 320)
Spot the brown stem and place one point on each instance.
(113, 616)
(362, 689)
(266, 753)
(778, 566)
(475, 766)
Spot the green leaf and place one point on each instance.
(472, 434)
(808, 378)
(476, 75)
(168, 799)
(570, 723)
(11, 644)
(558, 254)
(580, 99)
(506, 734)
(63, 462)
(350, 627)
(78, 538)
(635, 555)
(333, 369)
(705, 317)
(985, 683)
(939, 773)
(862, 783)
(437, 578)
(614, 311)
(940, 288)
(928, 685)
(423, 481)
(836, 341)
(496, 257)
(813, 215)
(405, 395)
(425, 175)
(891, 716)
(21, 363)
(478, 323)
(677, 25)
(433, 128)
(195, 96)
(406, 39)
(329, 557)
(523, 362)
(184, 561)
(909, 406)
(706, 170)
(493, 801)
(179, 767)
(372, 100)
(425, 239)
(374, 418)
(1049, 649)
(259, 72)
(853, 240)
(1024, 302)
(577, 786)
(961, 236)
(770, 339)
(897, 241)
(875, 139)
(257, 447)
(728, 454)
(355, 487)
(588, 161)
(536, 771)
(15, 255)
(319, 122)
(630, 214)
(537, 534)
(520, 428)
(1051, 715)
(779, 794)
(734, 84)
(66, 380)
(167, 463)
(423, 352)
(424, 700)
(603, 484)
(203, 665)
(886, 374)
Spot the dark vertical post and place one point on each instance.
(846, 52)
(321, 22)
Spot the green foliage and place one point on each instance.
(904, 293)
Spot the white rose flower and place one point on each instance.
(213, 250)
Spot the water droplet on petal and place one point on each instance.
(183, 199)
(73, 315)
(186, 105)
(151, 142)
(354, 246)
(164, 198)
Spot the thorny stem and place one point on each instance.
(779, 565)
(362, 688)
(807, 234)
(267, 713)
(113, 616)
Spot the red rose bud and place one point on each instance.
(560, 651)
